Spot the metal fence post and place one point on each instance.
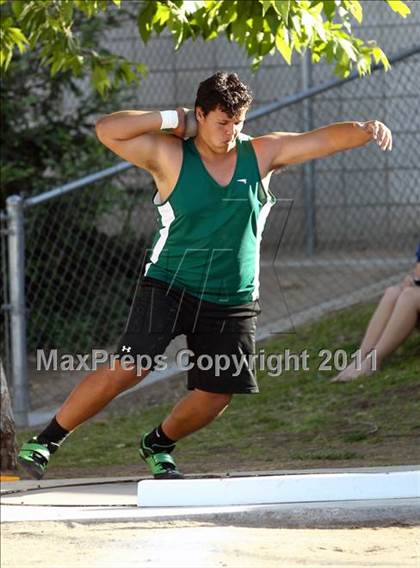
(16, 253)
(309, 167)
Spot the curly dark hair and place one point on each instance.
(224, 90)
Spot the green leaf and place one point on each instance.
(380, 57)
(296, 42)
(342, 71)
(8, 59)
(17, 7)
(355, 9)
(141, 68)
(297, 24)
(316, 57)
(67, 11)
(229, 13)
(316, 9)
(308, 23)
(400, 7)
(192, 6)
(348, 48)
(330, 52)
(329, 9)
(100, 79)
(5, 57)
(56, 66)
(178, 29)
(283, 45)
(266, 44)
(239, 29)
(162, 14)
(266, 5)
(364, 64)
(144, 26)
(18, 38)
(76, 64)
(127, 73)
(283, 6)
(318, 23)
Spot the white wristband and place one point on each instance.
(169, 119)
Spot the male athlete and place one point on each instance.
(202, 277)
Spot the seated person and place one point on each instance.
(394, 319)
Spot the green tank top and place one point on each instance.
(209, 235)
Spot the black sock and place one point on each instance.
(157, 441)
(53, 435)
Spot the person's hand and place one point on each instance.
(379, 132)
(409, 279)
(187, 125)
(407, 282)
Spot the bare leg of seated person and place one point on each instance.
(398, 322)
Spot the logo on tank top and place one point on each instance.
(242, 180)
(125, 349)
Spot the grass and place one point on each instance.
(299, 419)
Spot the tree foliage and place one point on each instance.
(48, 27)
(47, 121)
(262, 27)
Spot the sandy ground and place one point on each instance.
(202, 545)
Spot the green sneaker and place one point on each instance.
(34, 457)
(161, 464)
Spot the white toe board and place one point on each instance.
(277, 489)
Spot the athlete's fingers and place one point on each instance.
(190, 124)
(386, 142)
(375, 129)
(367, 126)
(388, 145)
(180, 129)
(382, 135)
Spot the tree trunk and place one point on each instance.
(7, 427)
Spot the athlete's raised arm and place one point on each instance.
(284, 148)
(140, 136)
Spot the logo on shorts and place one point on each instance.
(126, 349)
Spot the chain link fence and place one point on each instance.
(342, 229)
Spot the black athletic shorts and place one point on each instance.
(220, 339)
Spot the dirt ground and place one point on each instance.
(202, 545)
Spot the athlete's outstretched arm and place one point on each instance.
(285, 148)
